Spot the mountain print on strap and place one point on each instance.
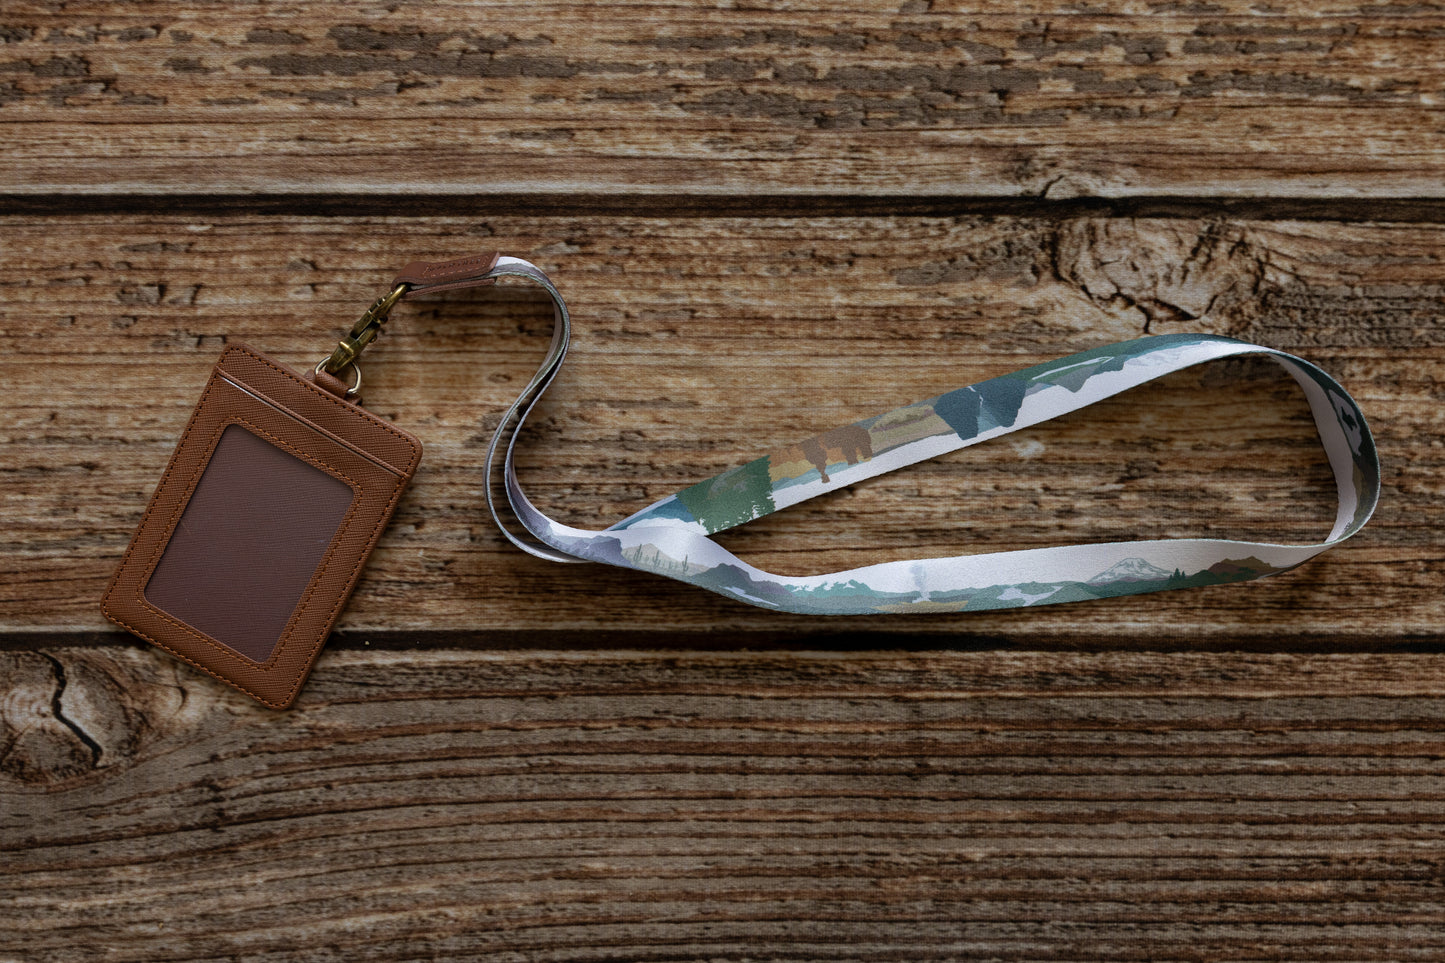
(672, 536)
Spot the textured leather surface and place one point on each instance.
(304, 429)
(339, 418)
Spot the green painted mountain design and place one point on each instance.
(1132, 576)
(734, 497)
(746, 492)
(668, 537)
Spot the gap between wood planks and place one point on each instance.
(1405, 210)
(654, 641)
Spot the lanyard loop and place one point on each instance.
(672, 536)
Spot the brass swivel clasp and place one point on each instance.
(362, 333)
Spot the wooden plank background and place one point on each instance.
(768, 220)
(921, 97)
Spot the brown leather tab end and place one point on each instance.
(329, 382)
(462, 272)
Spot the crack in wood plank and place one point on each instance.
(583, 806)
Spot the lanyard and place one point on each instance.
(672, 536)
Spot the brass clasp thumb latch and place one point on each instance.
(362, 333)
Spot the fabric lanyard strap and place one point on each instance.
(671, 537)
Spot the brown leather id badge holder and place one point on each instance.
(258, 529)
(277, 492)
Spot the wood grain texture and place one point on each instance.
(701, 343)
(1227, 99)
(689, 806)
(769, 219)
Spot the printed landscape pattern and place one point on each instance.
(671, 537)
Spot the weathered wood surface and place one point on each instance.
(701, 343)
(691, 806)
(503, 759)
(1228, 98)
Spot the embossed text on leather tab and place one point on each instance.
(425, 276)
